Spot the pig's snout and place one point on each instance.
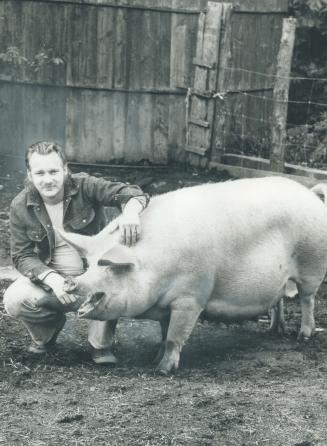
(86, 309)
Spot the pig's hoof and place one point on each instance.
(305, 335)
(103, 356)
(302, 338)
(166, 366)
(162, 371)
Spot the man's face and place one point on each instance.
(48, 173)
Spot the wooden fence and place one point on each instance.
(133, 80)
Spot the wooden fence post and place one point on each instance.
(280, 95)
(219, 119)
(200, 105)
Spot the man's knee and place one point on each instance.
(17, 299)
(11, 302)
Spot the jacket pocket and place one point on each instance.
(85, 217)
(36, 234)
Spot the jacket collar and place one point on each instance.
(33, 197)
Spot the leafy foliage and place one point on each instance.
(307, 136)
(12, 60)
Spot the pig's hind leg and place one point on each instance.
(311, 276)
(307, 300)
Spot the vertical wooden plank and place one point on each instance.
(71, 127)
(68, 18)
(5, 34)
(60, 30)
(78, 131)
(281, 95)
(105, 47)
(145, 125)
(159, 152)
(133, 47)
(148, 41)
(133, 138)
(119, 124)
(200, 73)
(101, 120)
(29, 38)
(176, 129)
(178, 62)
(120, 53)
(162, 50)
(160, 130)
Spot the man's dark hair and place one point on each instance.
(44, 148)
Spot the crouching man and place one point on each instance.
(54, 198)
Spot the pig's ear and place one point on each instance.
(118, 256)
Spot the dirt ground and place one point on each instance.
(236, 386)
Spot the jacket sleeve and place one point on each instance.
(23, 254)
(111, 193)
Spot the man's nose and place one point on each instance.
(47, 178)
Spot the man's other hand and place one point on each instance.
(129, 229)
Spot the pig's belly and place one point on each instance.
(225, 310)
(253, 287)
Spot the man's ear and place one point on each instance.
(118, 256)
(29, 176)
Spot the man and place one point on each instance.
(55, 199)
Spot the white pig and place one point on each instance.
(225, 251)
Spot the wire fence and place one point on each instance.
(306, 127)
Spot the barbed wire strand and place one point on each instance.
(274, 76)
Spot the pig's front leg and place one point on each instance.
(101, 338)
(184, 314)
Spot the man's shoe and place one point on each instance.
(41, 349)
(103, 356)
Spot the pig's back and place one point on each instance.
(212, 219)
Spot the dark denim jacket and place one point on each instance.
(32, 235)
